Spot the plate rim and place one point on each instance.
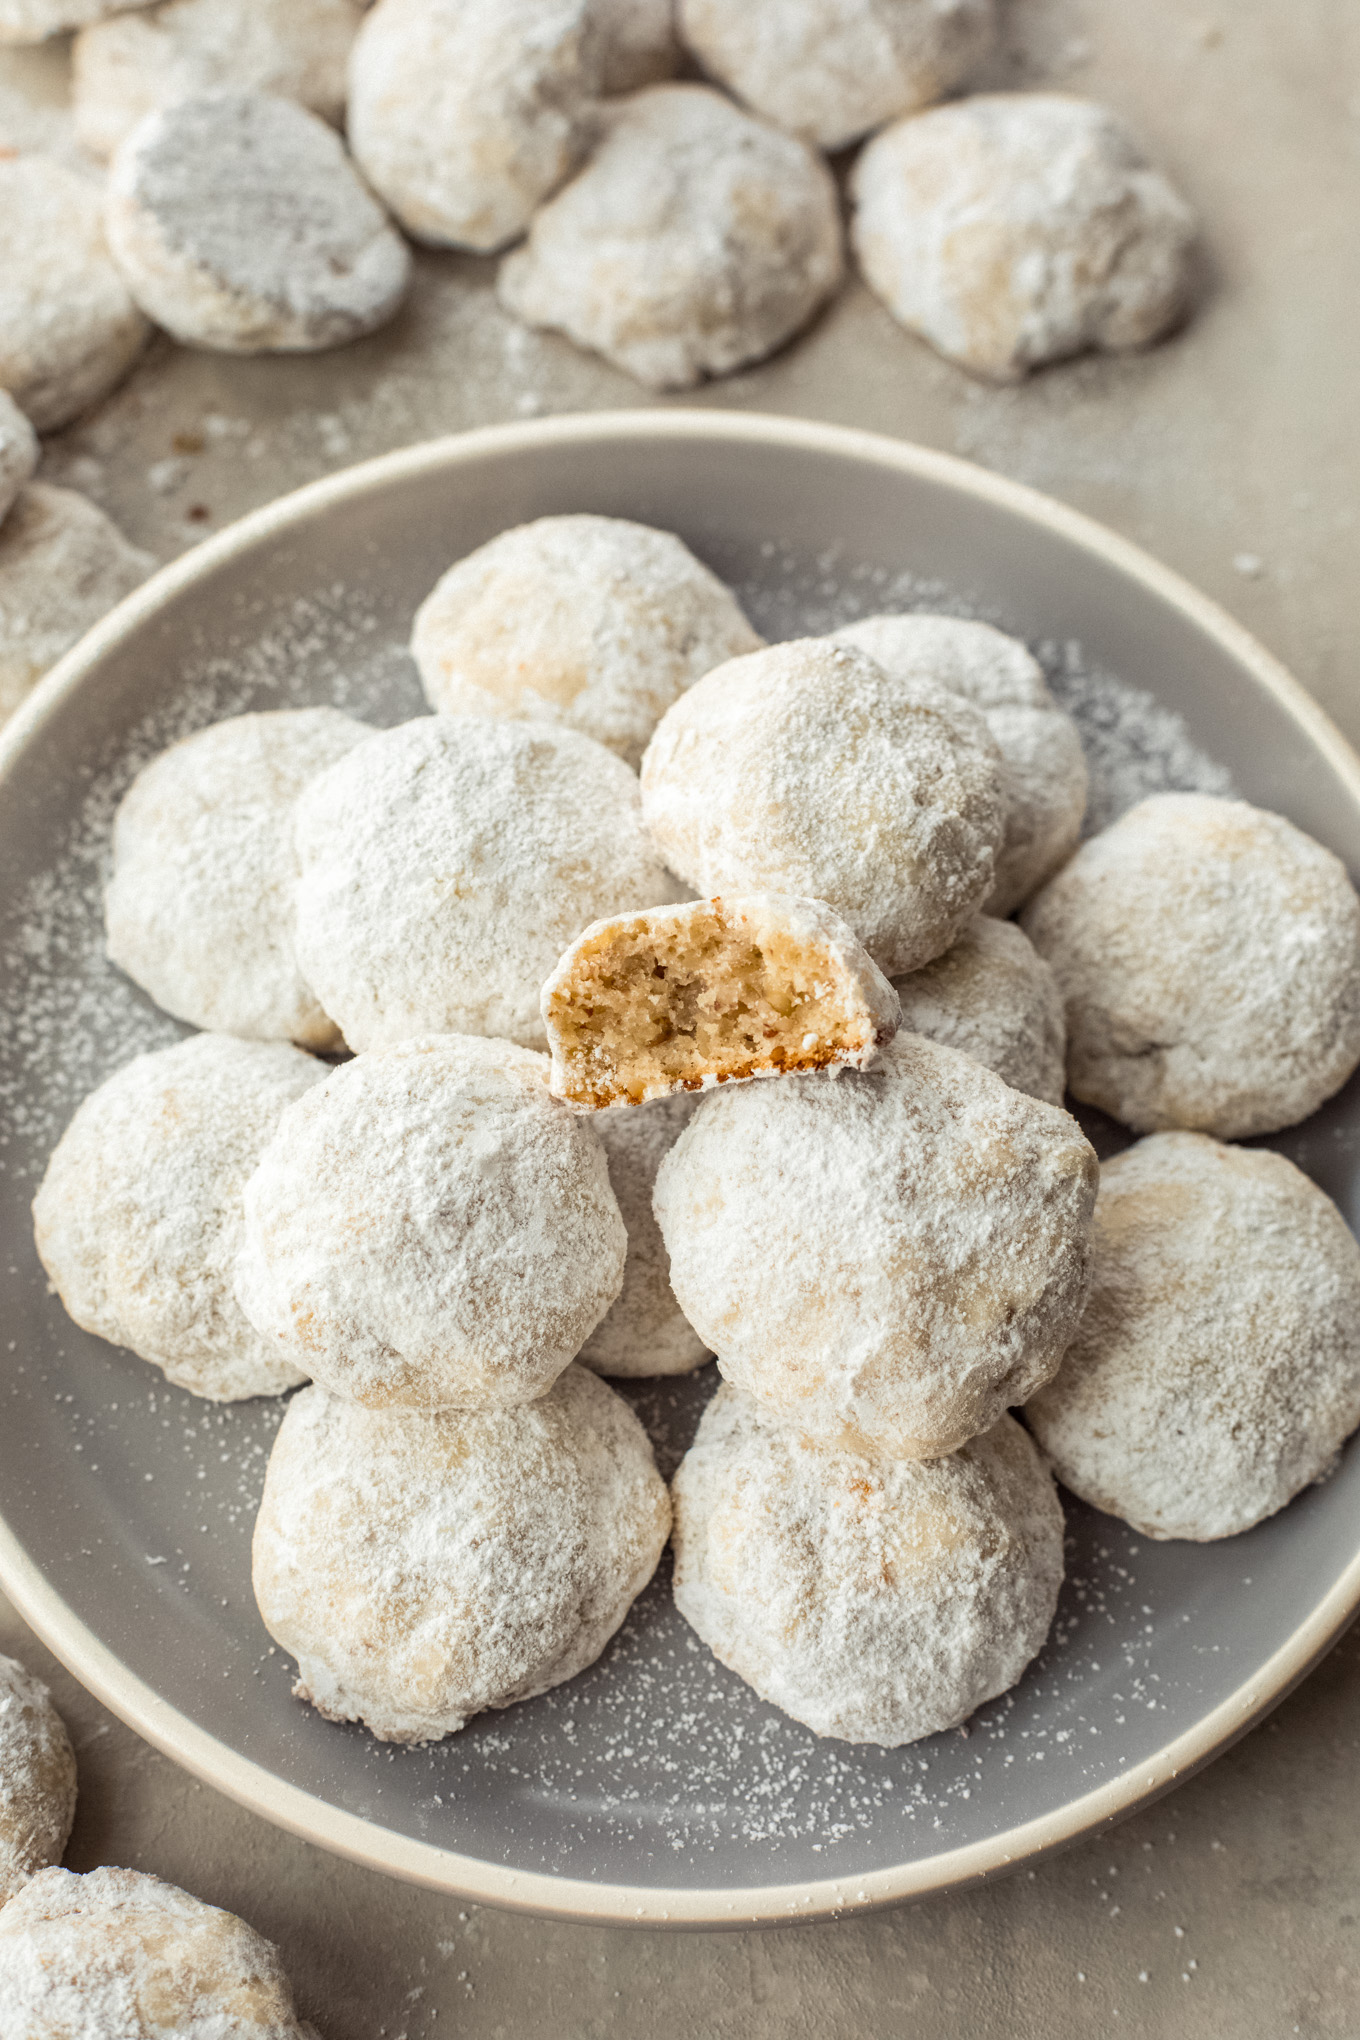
(350, 1835)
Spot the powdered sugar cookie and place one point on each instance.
(695, 239)
(639, 45)
(885, 1262)
(138, 1218)
(1011, 229)
(63, 565)
(69, 329)
(37, 1778)
(129, 66)
(876, 1601)
(117, 1955)
(33, 21)
(1217, 1368)
(239, 223)
(1043, 769)
(993, 997)
(431, 1228)
(831, 73)
(448, 863)
(423, 1567)
(644, 1331)
(465, 114)
(592, 622)
(805, 769)
(712, 992)
(18, 452)
(199, 909)
(1208, 954)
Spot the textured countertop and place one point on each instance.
(1230, 1909)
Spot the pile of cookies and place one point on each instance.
(801, 1109)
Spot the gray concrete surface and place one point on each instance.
(1229, 1911)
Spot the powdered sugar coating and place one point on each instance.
(806, 769)
(431, 1228)
(875, 1600)
(830, 70)
(118, 1955)
(63, 565)
(1043, 769)
(239, 223)
(885, 1262)
(465, 115)
(592, 622)
(644, 1331)
(694, 240)
(446, 864)
(200, 903)
(1216, 1371)
(32, 21)
(1208, 954)
(638, 42)
(18, 452)
(37, 1779)
(994, 998)
(138, 1218)
(1013, 229)
(69, 329)
(423, 1567)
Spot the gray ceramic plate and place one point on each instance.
(655, 1787)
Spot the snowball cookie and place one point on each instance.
(695, 239)
(1217, 1368)
(832, 72)
(447, 864)
(37, 1779)
(1208, 954)
(32, 21)
(69, 329)
(239, 223)
(885, 1261)
(712, 992)
(877, 1601)
(638, 42)
(806, 769)
(644, 1331)
(63, 565)
(465, 114)
(129, 66)
(592, 622)
(18, 452)
(117, 1955)
(432, 1229)
(993, 997)
(199, 909)
(1011, 229)
(138, 1218)
(1043, 767)
(423, 1566)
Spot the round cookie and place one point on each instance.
(644, 1331)
(69, 329)
(119, 1953)
(1043, 768)
(638, 42)
(592, 622)
(431, 1228)
(240, 224)
(138, 1218)
(1216, 1371)
(133, 64)
(1208, 954)
(887, 1261)
(831, 73)
(37, 1779)
(994, 998)
(805, 769)
(696, 239)
(199, 909)
(445, 866)
(18, 452)
(33, 21)
(1013, 229)
(877, 1601)
(423, 1567)
(63, 565)
(465, 114)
